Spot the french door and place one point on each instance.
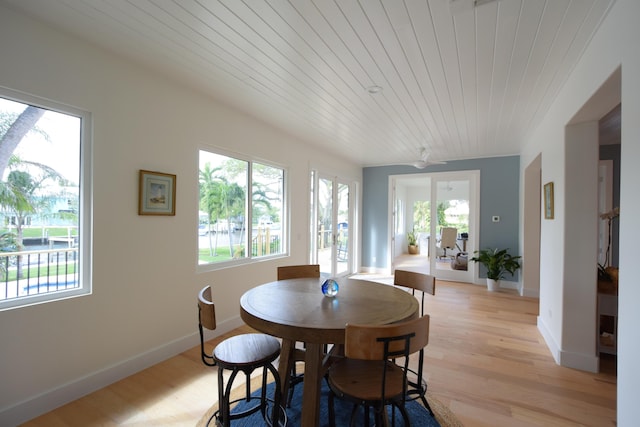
(436, 206)
(331, 213)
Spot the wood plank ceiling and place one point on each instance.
(464, 80)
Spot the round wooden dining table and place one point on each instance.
(296, 310)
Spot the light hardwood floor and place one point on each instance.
(486, 360)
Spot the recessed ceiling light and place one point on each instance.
(374, 89)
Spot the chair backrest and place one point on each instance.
(206, 309)
(415, 280)
(367, 342)
(448, 237)
(206, 319)
(297, 271)
(424, 283)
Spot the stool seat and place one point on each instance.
(246, 350)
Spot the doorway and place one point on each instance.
(442, 210)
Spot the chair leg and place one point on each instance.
(405, 415)
(393, 415)
(426, 404)
(354, 412)
(277, 396)
(221, 400)
(224, 394)
(263, 394)
(332, 410)
(367, 413)
(293, 381)
(379, 417)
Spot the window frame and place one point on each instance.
(284, 223)
(85, 222)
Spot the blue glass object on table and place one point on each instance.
(330, 288)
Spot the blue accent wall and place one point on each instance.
(499, 195)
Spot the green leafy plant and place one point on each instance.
(412, 238)
(497, 262)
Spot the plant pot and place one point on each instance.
(413, 249)
(493, 285)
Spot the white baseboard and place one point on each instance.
(374, 270)
(530, 293)
(548, 338)
(581, 361)
(51, 399)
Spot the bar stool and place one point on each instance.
(241, 353)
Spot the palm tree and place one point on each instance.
(233, 207)
(22, 195)
(13, 128)
(210, 197)
(7, 244)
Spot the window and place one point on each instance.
(44, 201)
(235, 226)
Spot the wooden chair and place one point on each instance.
(423, 284)
(240, 353)
(294, 272)
(368, 375)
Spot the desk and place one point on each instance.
(296, 310)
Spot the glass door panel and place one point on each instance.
(324, 220)
(331, 211)
(342, 229)
(422, 223)
(451, 225)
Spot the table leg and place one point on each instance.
(312, 384)
(286, 364)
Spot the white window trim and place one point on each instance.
(85, 253)
(285, 226)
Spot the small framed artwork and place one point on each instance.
(548, 200)
(157, 193)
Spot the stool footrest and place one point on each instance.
(266, 414)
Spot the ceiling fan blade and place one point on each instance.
(424, 160)
(423, 164)
(420, 164)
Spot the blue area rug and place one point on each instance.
(418, 414)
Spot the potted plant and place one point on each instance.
(497, 263)
(412, 238)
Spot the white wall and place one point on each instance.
(531, 214)
(580, 260)
(614, 46)
(142, 309)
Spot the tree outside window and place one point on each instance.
(230, 228)
(40, 202)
